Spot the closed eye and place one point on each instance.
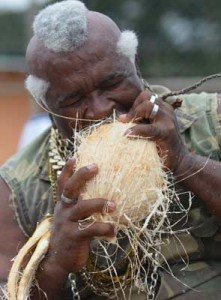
(71, 100)
(111, 85)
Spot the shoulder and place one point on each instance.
(26, 175)
(13, 237)
(28, 161)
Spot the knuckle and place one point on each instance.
(108, 229)
(70, 164)
(130, 115)
(79, 174)
(67, 168)
(83, 171)
(82, 174)
(99, 205)
(58, 223)
(135, 113)
(170, 128)
(67, 191)
(101, 202)
(145, 95)
(80, 209)
(155, 131)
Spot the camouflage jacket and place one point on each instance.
(27, 174)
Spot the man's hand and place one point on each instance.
(69, 245)
(162, 129)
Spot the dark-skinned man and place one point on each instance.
(81, 65)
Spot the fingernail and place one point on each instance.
(122, 117)
(92, 167)
(128, 132)
(111, 206)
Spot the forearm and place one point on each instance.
(202, 176)
(51, 281)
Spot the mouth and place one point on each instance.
(83, 124)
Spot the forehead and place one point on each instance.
(86, 63)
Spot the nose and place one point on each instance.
(98, 107)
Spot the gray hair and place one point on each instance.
(127, 44)
(37, 87)
(62, 27)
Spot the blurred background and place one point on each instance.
(180, 42)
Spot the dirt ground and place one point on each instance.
(14, 111)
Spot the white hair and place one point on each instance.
(62, 26)
(127, 44)
(37, 87)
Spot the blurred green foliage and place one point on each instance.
(177, 38)
(12, 33)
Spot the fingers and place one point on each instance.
(141, 109)
(98, 229)
(66, 173)
(150, 131)
(77, 181)
(143, 96)
(85, 208)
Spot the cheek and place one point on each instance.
(65, 126)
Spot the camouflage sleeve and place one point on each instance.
(199, 123)
(219, 117)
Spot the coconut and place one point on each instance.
(130, 171)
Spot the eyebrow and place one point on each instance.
(115, 75)
(109, 78)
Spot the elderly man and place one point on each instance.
(82, 66)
